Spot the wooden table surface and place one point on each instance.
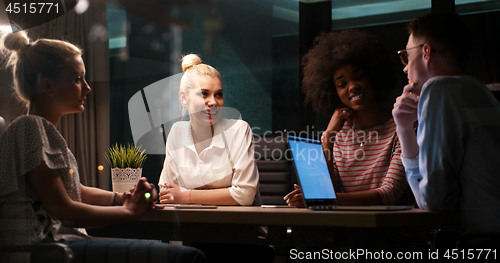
(252, 215)
(285, 226)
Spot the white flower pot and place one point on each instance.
(124, 179)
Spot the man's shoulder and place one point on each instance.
(451, 87)
(446, 82)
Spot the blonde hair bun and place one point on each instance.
(15, 41)
(30, 62)
(189, 61)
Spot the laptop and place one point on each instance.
(314, 178)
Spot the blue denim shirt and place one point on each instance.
(458, 166)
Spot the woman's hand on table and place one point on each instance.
(172, 194)
(295, 197)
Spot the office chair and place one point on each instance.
(3, 126)
(275, 177)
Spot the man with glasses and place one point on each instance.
(453, 161)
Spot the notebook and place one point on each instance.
(314, 178)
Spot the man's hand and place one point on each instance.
(405, 109)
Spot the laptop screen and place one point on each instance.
(312, 170)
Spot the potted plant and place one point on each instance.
(126, 166)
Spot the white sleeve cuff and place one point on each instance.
(410, 163)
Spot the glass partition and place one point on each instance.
(359, 13)
(248, 42)
(254, 44)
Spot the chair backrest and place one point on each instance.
(274, 165)
(3, 126)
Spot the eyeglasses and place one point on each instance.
(403, 54)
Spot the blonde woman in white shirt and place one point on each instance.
(209, 160)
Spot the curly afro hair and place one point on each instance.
(334, 50)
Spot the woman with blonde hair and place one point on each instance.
(41, 197)
(209, 160)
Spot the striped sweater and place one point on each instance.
(370, 159)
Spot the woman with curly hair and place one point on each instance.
(344, 74)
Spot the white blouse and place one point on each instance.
(220, 165)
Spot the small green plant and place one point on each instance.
(119, 156)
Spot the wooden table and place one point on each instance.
(285, 226)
